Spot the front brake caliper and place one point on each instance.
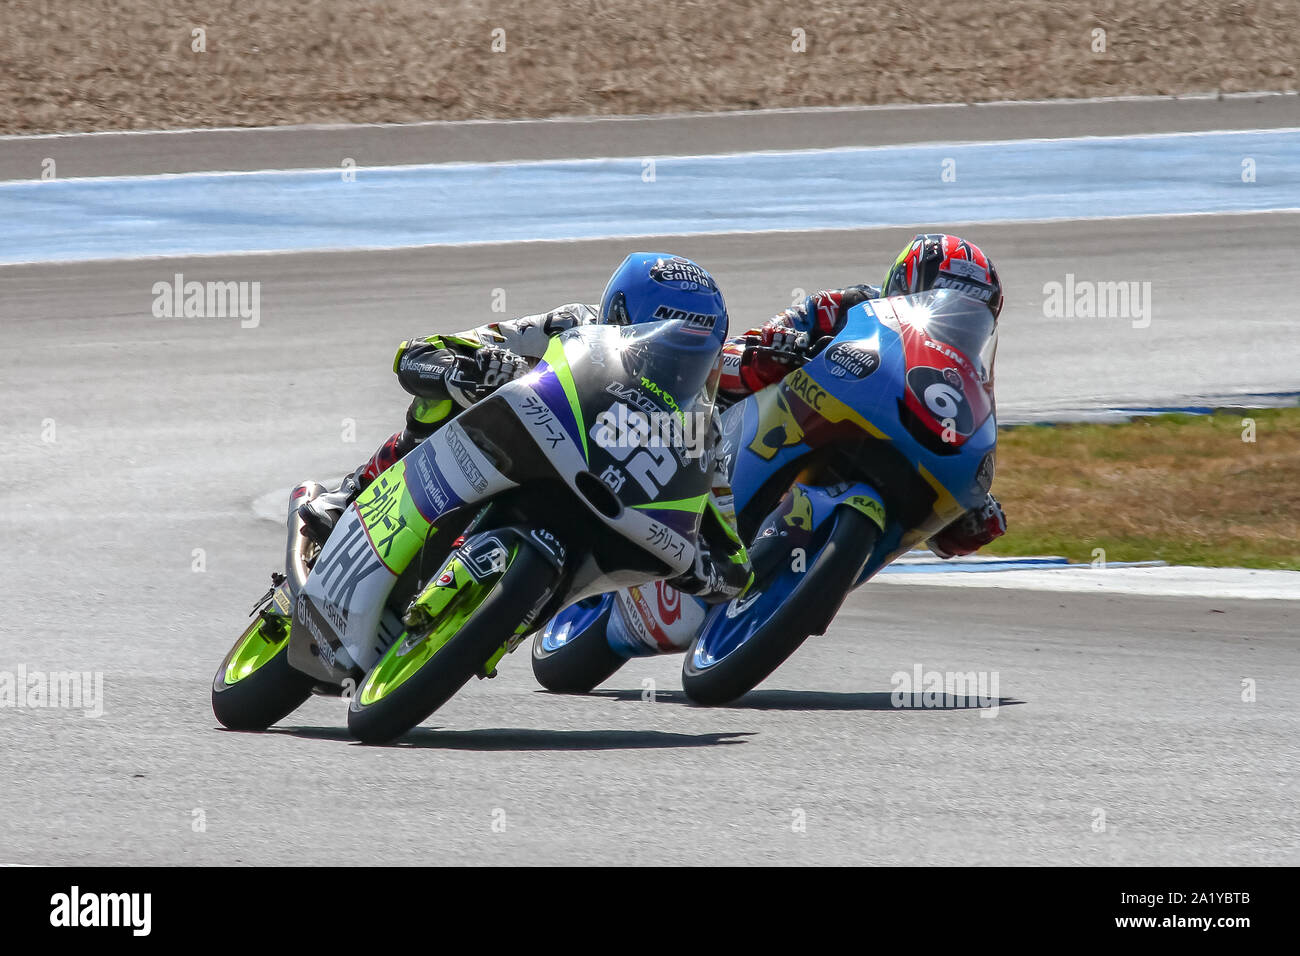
(477, 564)
(429, 604)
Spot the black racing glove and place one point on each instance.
(422, 368)
(431, 370)
(496, 366)
(715, 579)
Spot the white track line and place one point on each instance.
(1225, 583)
(665, 157)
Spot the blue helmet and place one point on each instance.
(655, 286)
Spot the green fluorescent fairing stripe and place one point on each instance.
(396, 528)
(695, 504)
(254, 650)
(559, 363)
(727, 527)
(449, 607)
(473, 343)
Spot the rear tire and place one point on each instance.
(838, 565)
(269, 694)
(580, 664)
(447, 671)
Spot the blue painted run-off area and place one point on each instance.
(580, 199)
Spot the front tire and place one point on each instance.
(522, 585)
(255, 687)
(833, 574)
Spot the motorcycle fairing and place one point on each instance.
(343, 603)
(563, 627)
(852, 390)
(584, 376)
(653, 618)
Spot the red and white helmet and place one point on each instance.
(938, 261)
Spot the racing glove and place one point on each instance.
(715, 579)
(722, 570)
(476, 375)
(771, 355)
(430, 370)
(971, 531)
(496, 366)
(784, 339)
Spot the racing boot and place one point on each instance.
(322, 513)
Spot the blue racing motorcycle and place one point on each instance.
(882, 438)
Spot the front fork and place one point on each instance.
(468, 576)
(787, 533)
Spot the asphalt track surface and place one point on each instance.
(164, 431)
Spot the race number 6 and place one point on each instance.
(943, 400)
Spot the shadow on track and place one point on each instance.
(805, 700)
(522, 739)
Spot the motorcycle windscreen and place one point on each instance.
(647, 394)
(949, 317)
(949, 342)
(680, 361)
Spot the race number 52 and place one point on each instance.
(626, 436)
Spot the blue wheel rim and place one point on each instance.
(731, 625)
(573, 622)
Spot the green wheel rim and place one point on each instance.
(407, 655)
(254, 649)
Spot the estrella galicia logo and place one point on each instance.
(683, 273)
(850, 360)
